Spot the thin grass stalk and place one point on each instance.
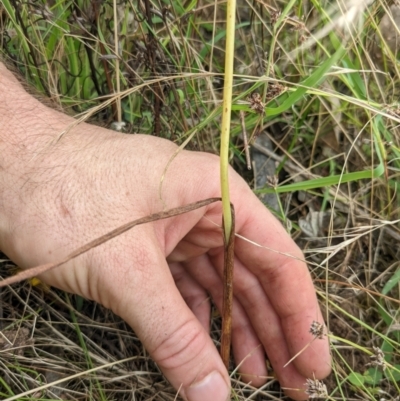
(226, 115)
(227, 211)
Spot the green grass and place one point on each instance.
(333, 123)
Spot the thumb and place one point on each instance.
(146, 297)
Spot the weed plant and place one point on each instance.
(320, 78)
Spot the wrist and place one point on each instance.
(25, 121)
(32, 158)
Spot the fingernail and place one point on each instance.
(212, 387)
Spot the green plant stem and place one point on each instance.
(226, 115)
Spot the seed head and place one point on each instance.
(316, 389)
(272, 181)
(317, 329)
(378, 359)
(275, 16)
(256, 103)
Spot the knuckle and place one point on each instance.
(181, 347)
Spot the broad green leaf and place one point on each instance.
(391, 283)
(356, 379)
(373, 376)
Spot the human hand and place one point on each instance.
(58, 195)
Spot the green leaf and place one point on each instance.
(354, 79)
(391, 283)
(311, 82)
(395, 374)
(326, 181)
(356, 379)
(373, 376)
(336, 179)
(181, 95)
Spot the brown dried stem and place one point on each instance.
(228, 293)
(35, 271)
